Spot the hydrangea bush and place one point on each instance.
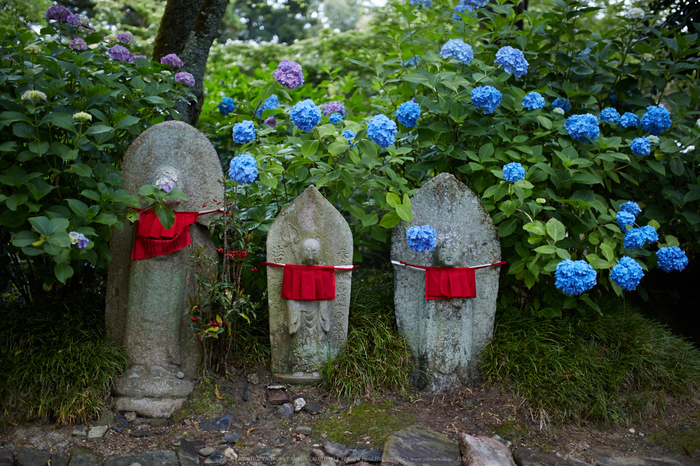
(489, 96)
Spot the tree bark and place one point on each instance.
(188, 29)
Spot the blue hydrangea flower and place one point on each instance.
(413, 61)
(613, 97)
(473, 5)
(335, 118)
(629, 120)
(638, 237)
(650, 234)
(583, 128)
(458, 9)
(243, 169)
(561, 103)
(631, 207)
(623, 219)
(627, 274)
(421, 238)
(349, 134)
(656, 120)
(305, 115)
(512, 61)
(226, 106)
(609, 115)
(574, 277)
(270, 103)
(457, 49)
(243, 132)
(486, 98)
(382, 131)
(513, 172)
(641, 146)
(585, 52)
(422, 3)
(533, 100)
(408, 114)
(671, 258)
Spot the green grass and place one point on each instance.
(55, 363)
(376, 358)
(615, 367)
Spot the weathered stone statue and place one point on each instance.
(446, 334)
(147, 299)
(308, 295)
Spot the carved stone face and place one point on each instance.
(310, 251)
(449, 253)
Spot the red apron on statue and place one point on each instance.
(308, 282)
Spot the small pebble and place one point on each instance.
(206, 451)
(303, 430)
(130, 416)
(231, 454)
(180, 375)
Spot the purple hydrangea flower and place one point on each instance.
(641, 146)
(656, 120)
(513, 172)
(125, 38)
(512, 61)
(166, 183)
(78, 21)
(408, 114)
(133, 58)
(289, 74)
(185, 78)
(631, 207)
(305, 115)
(58, 13)
(623, 219)
(382, 131)
(533, 100)
(243, 169)
(609, 115)
(243, 132)
(335, 118)
(421, 238)
(79, 239)
(119, 52)
(457, 49)
(574, 277)
(627, 274)
(334, 107)
(78, 44)
(486, 98)
(583, 128)
(629, 120)
(671, 258)
(270, 121)
(172, 60)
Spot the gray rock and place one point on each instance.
(106, 419)
(355, 456)
(299, 403)
(277, 397)
(372, 456)
(297, 456)
(29, 457)
(157, 422)
(286, 410)
(180, 375)
(484, 451)
(335, 449)
(130, 416)
(446, 335)
(526, 457)
(304, 334)
(312, 407)
(216, 458)
(60, 458)
(420, 446)
(605, 459)
(268, 455)
(81, 456)
(80, 431)
(187, 454)
(146, 458)
(97, 432)
(152, 293)
(49, 441)
(230, 437)
(140, 433)
(220, 423)
(328, 461)
(206, 451)
(7, 457)
(303, 430)
(231, 454)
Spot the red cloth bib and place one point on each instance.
(153, 240)
(307, 282)
(450, 282)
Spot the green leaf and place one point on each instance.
(536, 227)
(81, 169)
(544, 121)
(60, 119)
(79, 207)
(63, 272)
(309, 148)
(267, 179)
(174, 194)
(24, 238)
(390, 220)
(404, 210)
(46, 227)
(338, 147)
(127, 122)
(165, 216)
(368, 148)
(607, 252)
(485, 151)
(508, 207)
(556, 230)
(546, 249)
(98, 129)
(507, 227)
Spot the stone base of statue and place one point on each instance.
(150, 391)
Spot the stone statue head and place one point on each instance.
(449, 253)
(310, 251)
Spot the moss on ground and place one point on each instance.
(365, 423)
(685, 440)
(205, 402)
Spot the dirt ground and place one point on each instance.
(365, 423)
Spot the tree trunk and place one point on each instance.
(188, 29)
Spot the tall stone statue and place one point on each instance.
(309, 250)
(147, 298)
(446, 334)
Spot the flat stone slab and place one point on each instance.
(420, 446)
(526, 457)
(484, 451)
(297, 456)
(149, 407)
(29, 457)
(187, 454)
(81, 456)
(603, 459)
(220, 423)
(147, 458)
